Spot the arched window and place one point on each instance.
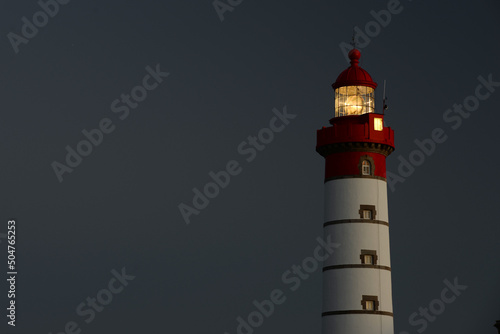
(366, 167)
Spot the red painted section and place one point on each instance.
(354, 75)
(359, 128)
(354, 129)
(347, 163)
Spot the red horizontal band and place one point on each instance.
(349, 163)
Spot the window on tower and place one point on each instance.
(366, 167)
(370, 303)
(368, 256)
(367, 211)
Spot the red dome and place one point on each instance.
(354, 75)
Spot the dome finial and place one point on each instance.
(354, 54)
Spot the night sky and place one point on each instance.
(203, 88)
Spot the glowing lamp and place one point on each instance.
(354, 100)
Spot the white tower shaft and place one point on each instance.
(357, 277)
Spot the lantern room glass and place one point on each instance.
(354, 100)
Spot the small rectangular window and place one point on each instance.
(367, 212)
(378, 124)
(370, 303)
(368, 256)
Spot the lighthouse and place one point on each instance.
(357, 296)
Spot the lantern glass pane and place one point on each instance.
(354, 100)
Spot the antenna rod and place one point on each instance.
(353, 42)
(385, 107)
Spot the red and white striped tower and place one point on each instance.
(357, 297)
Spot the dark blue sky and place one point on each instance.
(119, 205)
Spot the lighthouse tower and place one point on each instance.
(357, 297)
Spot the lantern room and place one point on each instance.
(354, 89)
